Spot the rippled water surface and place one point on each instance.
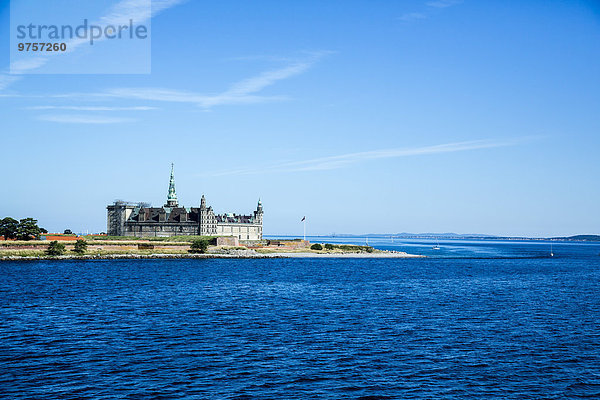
(304, 328)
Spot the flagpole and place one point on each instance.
(304, 229)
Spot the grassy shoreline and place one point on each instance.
(126, 256)
(175, 247)
(29, 255)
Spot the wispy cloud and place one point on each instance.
(83, 119)
(243, 92)
(279, 58)
(246, 91)
(92, 108)
(261, 81)
(345, 160)
(412, 16)
(137, 10)
(179, 96)
(442, 3)
(6, 80)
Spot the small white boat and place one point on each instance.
(437, 246)
(551, 253)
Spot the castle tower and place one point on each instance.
(207, 221)
(117, 215)
(172, 196)
(258, 214)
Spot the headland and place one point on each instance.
(65, 247)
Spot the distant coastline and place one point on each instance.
(451, 236)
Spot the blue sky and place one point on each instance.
(365, 116)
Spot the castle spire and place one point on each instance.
(258, 214)
(172, 196)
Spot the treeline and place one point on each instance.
(24, 229)
(56, 248)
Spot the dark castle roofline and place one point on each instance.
(182, 214)
(235, 219)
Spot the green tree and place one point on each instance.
(316, 246)
(80, 247)
(55, 248)
(328, 246)
(8, 228)
(28, 229)
(199, 246)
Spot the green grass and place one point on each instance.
(93, 252)
(353, 248)
(22, 242)
(337, 248)
(133, 243)
(268, 251)
(211, 239)
(137, 252)
(181, 238)
(102, 238)
(23, 253)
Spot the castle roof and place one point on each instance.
(235, 219)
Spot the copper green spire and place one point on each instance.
(172, 197)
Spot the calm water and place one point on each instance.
(483, 320)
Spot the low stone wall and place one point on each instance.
(254, 243)
(289, 244)
(228, 241)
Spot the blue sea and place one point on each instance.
(476, 319)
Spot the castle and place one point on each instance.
(128, 219)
